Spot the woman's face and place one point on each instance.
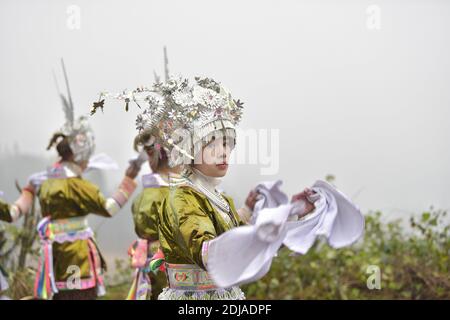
(214, 158)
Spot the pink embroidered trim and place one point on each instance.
(124, 191)
(84, 284)
(71, 237)
(140, 253)
(95, 262)
(62, 231)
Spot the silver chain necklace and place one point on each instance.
(215, 197)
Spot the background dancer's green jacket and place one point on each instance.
(67, 200)
(71, 198)
(4, 212)
(4, 216)
(145, 210)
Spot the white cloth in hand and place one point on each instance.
(244, 254)
(101, 162)
(269, 196)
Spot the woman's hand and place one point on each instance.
(132, 170)
(303, 196)
(251, 199)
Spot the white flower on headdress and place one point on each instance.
(154, 105)
(183, 98)
(168, 87)
(173, 115)
(125, 95)
(208, 98)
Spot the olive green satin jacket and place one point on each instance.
(188, 219)
(145, 211)
(68, 198)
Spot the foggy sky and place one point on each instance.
(368, 106)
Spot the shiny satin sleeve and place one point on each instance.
(193, 224)
(142, 225)
(91, 200)
(145, 210)
(88, 197)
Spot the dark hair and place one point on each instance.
(140, 140)
(62, 146)
(160, 159)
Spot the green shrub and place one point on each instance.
(413, 261)
(414, 264)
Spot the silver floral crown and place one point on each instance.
(181, 114)
(81, 138)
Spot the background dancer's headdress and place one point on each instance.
(181, 115)
(76, 133)
(145, 138)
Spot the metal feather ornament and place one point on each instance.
(78, 131)
(166, 65)
(156, 77)
(68, 113)
(97, 105)
(68, 103)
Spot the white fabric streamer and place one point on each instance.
(335, 217)
(270, 196)
(101, 162)
(97, 162)
(245, 254)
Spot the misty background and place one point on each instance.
(369, 105)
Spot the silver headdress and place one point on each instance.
(181, 116)
(207, 111)
(80, 134)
